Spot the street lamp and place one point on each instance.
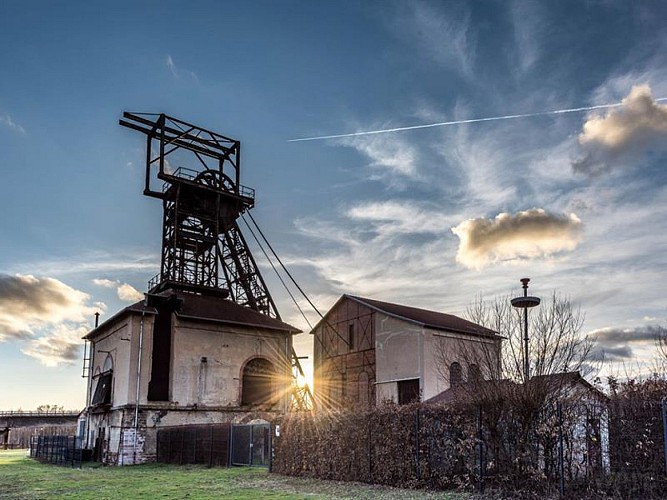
(524, 303)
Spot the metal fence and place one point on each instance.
(194, 444)
(568, 449)
(251, 445)
(57, 450)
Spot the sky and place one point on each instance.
(431, 217)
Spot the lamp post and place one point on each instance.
(524, 303)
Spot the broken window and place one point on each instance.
(102, 394)
(257, 384)
(408, 391)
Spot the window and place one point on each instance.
(102, 394)
(408, 391)
(474, 373)
(257, 382)
(350, 337)
(455, 374)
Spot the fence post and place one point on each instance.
(370, 451)
(561, 458)
(481, 451)
(417, 469)
(210, 446)
(663, 409)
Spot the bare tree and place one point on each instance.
(661, 344)
(520, 415)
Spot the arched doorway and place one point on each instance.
(257, 382)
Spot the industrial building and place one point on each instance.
(368, 352)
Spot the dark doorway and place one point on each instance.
(408, 391)
(257, 386)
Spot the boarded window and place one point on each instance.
(350, 337)
(258, 376)
(102, 394)
(455, 374)
(408, 391)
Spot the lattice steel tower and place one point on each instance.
(203, 249)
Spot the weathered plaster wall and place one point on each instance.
(217, 381)
(398, 354)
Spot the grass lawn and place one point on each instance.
(24, 478)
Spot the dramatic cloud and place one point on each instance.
(628, 335)
(62, 345)
(529, 234)
(616, 344)
(46, 313)
(7, 121)
(638, 125)
(125, 291)
(27, 303)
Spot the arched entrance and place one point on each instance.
(257, 382)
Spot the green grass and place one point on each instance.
(24, 478)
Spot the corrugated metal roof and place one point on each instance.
(424, 317)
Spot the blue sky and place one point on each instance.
(428, 217)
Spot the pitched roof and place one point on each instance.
(206, 308)
(555, 381)
(424, 317)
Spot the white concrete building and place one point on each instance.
(181, 358)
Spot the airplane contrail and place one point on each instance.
(460, 122)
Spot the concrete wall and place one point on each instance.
(441, 349)
(217, 381)
(345, 374)
(200, 393)
(399, 355)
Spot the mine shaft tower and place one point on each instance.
(203, 249)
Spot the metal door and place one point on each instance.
(251, 445)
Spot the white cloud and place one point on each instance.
(623, 133)
(394, 217)
(172, 67)
(125, 291)
(176, 72)
(128, 293)
(7, 121)
(526, 23)
(391, 157)
(529, 234)
(448, 40)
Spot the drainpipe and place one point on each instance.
(136, 406)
